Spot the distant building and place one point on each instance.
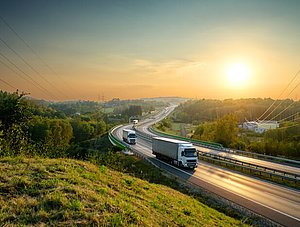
(260, 126)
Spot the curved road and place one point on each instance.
(275, 202)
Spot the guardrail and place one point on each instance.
(193, 141)
(251, 154)
(266, 170)
(115, 141)
(219, 147)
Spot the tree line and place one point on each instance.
(208, 110)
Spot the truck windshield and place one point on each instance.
(131, 136)
(190, 152)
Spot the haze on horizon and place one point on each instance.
(139, 49)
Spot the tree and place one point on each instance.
(82, 130)
(226, 129)
(51, 135)
(14, 109)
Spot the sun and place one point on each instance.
(237, 73)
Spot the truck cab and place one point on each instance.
(129, 136)
(188, 156)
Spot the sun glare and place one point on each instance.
(237, 74)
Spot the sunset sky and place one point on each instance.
(137, 49)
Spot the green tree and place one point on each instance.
(14, 109)
(82, 130)
(51, 135)
(226, 129)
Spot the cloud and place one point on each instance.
(174, 67)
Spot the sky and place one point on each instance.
(99, 50)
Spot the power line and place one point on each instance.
(289, 116)
(282, 102)
(34, 52)
(8, 84)
(290, 125)
(29, 65)
(18, 74)
(37, 85)
(280, 95)
(282, 111)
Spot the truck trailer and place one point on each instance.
(129, 136)
(179, 153)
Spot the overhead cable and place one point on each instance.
(37, 85)
(282, 102)
(35, 53)
(289, 116)
(279, 95)
(32, 68)
(8, 84)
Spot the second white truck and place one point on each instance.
(180, 153)
(129, 136)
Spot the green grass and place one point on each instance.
(108, 110)
(176, 129)
(69, 192)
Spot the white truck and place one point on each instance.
(129, 136)
(180, 153)
(134, 123)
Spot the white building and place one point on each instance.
(260, 126)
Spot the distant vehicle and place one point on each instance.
(129, 136)
(135, 122)
(179, 153)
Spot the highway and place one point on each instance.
(275, 202)
(256, 161)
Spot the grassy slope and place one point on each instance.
(71, 192)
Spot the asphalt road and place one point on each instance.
(260, 162)
(275, 202)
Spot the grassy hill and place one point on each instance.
(69, 192)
